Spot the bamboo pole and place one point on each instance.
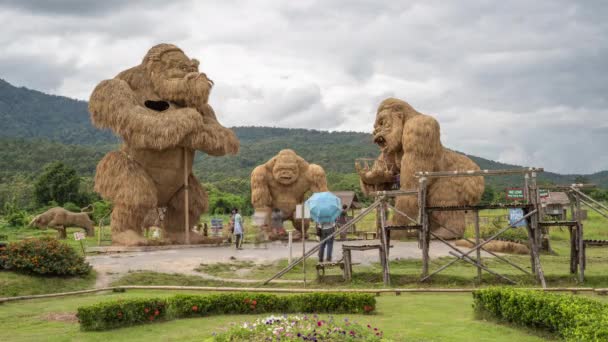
(303, 231)
(580, 240)
(289, 290)
(186, 199)
(385, 267)
(424, 222)
(474, 173)
(478, 250)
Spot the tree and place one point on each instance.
(58, 182)
(488, 195)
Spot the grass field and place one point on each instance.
(409, 317)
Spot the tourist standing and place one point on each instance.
(327, 228)
(238, 229)
(276, 223)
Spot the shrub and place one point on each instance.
(18, 218)
(122, 313)
(2, 255)
(573, 318)
(183, 306)
(45, 256)
(70, 206)
(239, 303)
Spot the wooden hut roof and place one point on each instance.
(349, 198)
(556, 198)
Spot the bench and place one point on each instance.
(347, 257)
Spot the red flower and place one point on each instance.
(156, 313)
(151, 318)
(319, 323)
(146, 310)
(194, 308)
(254, 302)
(368, 308)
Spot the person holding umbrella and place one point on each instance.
(325, 208)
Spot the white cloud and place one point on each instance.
(521, 82)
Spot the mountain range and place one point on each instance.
(37, 128)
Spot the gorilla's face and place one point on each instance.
(176, 78)
(388, 130)
(285, 170)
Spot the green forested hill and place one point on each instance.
(36, 128)
(26, 113)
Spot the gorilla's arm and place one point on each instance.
(421, 149)
(316, 176)
(211, 138)
(113, 105)
(380, 172)
(260, 191)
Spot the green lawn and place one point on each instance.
(409, 317)
(15, 284)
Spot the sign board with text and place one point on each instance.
(517, 194)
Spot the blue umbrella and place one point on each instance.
(324, 207)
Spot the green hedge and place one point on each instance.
(121, 313)
(44, 256)
(574, 318)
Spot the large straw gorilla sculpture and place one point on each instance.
(282, 183)
(410, 142)
(160, 109)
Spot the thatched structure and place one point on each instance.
(160, 109)
(282, 183)
(60, 219)
(410, 142)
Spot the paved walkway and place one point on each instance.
(110, 267)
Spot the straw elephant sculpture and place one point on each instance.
(282, 183)
(160, 110)
(409, 142)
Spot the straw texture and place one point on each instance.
(282, 183)
(410, 142)
(160, 109)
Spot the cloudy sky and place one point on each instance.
(522, 82)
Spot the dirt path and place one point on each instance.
(111, 267)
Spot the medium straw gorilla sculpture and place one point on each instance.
(282, 183)
(410, 142)
(160, 109)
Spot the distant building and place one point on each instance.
(555, 205)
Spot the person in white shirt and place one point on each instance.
(238, 229)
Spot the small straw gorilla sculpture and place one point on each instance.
(282, 183)
(160, 109)
(410, 142)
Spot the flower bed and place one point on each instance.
(114, 314)
(575, 318)
(301, 328)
